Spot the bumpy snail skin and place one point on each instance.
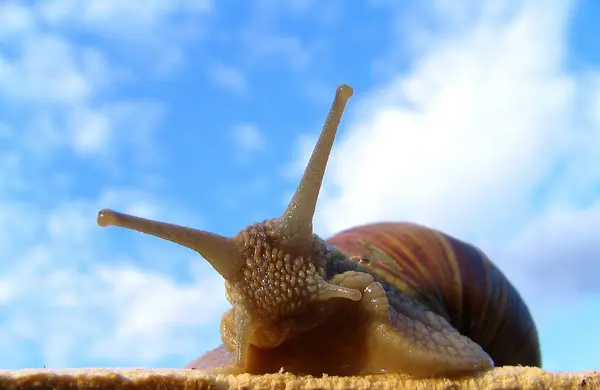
(387, 331)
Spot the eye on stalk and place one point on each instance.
(297, 220)
(221, 252)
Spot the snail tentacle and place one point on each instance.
(332, 290)
(373, 298)
(221, 252)
(297, 220)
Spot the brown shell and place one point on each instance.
(455, 279)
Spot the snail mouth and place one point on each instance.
(337, 346)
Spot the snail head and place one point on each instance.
(274, 270)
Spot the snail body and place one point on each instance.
(378, 298)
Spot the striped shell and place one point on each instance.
(454, 279)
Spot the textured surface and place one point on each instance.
(499, 378)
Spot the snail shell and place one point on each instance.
(379, 298)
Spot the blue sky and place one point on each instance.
(478, 118)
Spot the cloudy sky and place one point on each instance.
(478, 118)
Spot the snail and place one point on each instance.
(379, 298)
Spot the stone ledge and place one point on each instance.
(167, 379)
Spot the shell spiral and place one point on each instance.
(454, 279)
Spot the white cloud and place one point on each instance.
(277, 49)
(15, 21)
(248, 138)
(561, 249)
(143, 18)
(48, 69)
(594, 106)
(66, 282)
(158, 29)
(63, 81)
(470, 138)
(10, 165)
(227, 76)
(61, 275)
(69, 222)
(152, 311)
(91, 131)
(103, 130)
(5, 291)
